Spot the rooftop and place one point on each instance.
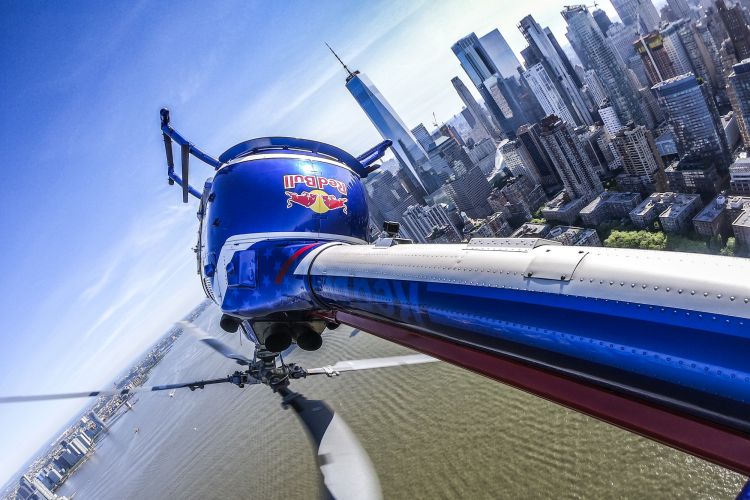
(711, 211)
(743, 219)
(531, 230)
(740, 164)
(676, 84)
(570, 234)
(738, 203)
(680, 203)
(652, 201)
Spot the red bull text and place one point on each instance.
(313, 182)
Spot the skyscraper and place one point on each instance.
(422, 135)
(602, 19)
(469, 191)
(409, 153)
(529, 136)
(621, 39)
(635, 146)
(675, 48)
(594, 86)
(641, 12)
(500, 53)
(739, 83)
(492, 87)
(546, 92)
(680, 8)
(710, 51)
(473, 106)
(419, 221)
(736, 26)
(569, 69)
(655, 58)
(573, 165)
(695, 121)
(608, 66)
(543, 51)
(387, 196)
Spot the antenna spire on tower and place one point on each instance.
(339, 59)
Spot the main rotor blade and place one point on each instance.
(368, 364)
(110, 392)
(214, 343)
(347, 471)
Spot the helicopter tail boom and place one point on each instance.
(643, 325)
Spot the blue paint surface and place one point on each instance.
(706, 355)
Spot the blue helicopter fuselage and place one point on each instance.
(284, 244)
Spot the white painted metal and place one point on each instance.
(347, 471)
(369, 364)
(692, 282)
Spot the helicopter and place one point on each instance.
(656, 343)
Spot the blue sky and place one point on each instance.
(97, 247)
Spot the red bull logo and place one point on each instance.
(317, 199)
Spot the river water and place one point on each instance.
(432, 431)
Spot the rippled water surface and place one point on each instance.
(432, 431)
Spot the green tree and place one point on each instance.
(730, 247)
(636, 239)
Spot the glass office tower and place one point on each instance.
(408, 151)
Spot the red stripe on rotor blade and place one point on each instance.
(290, 261)
(716, 444)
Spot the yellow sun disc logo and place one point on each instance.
(319, 206)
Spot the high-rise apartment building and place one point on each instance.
(546, 92)
(605, 62)
(736, 25)
(594, 86)
(419, 221)
(653, 53)
(674, 46)
(695, 121)
(569, 157)
(621, 38)
(637, 12)
(636, 147)
(607, 113)
(529, 136)
(542, 50)
(739, 83)
(602, 19)
(469, 191)
(680, 8)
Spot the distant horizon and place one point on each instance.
(85, 408)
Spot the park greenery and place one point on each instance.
(622, 234)
(657, 240)
(644, 240)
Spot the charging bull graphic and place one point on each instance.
(316, 200)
